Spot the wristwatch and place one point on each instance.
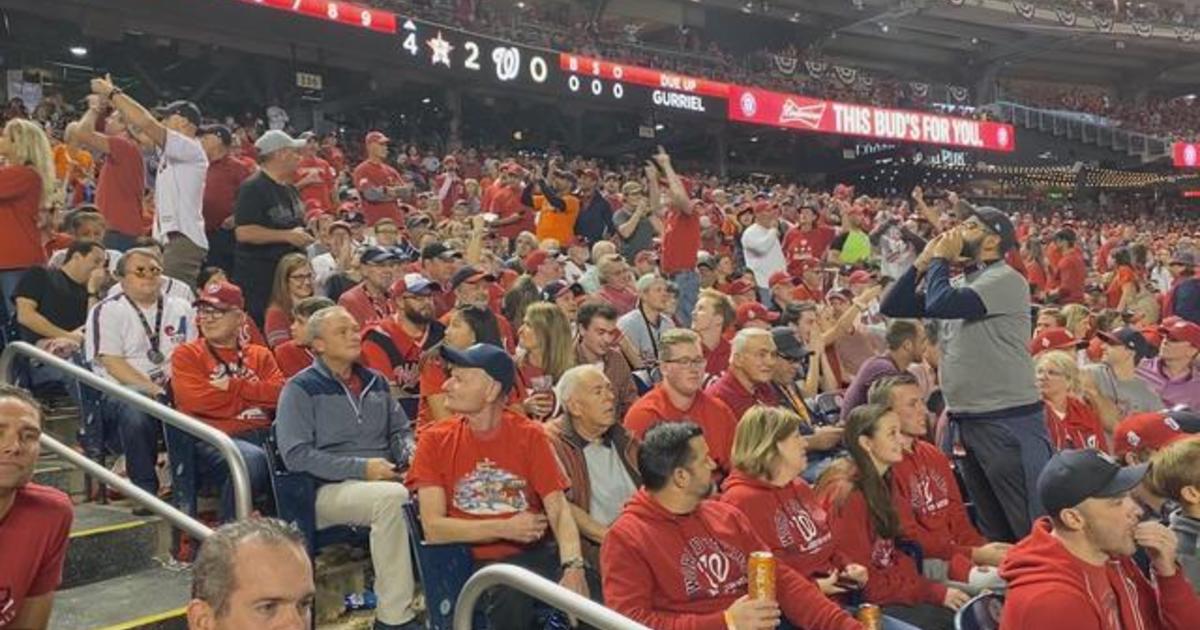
(574, 563)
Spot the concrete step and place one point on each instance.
(154, 597)
(109, 541)
(52, 471)
(62, 424)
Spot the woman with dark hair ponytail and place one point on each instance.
(467, 326)
(856, 493)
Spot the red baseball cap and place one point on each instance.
(223, 295)
(1150, 430)
(779, 277)
(377, 137)
(535, 259)
(739, 286)
(1180, 329)
(1054, 338)
(751, 311)
(860, 276)
(763, 206)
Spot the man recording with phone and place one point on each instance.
(1075, 570)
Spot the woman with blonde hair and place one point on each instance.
(1071, 421)
(545, 349)
(293, 282)
(28, 192)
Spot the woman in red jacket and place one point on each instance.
(857, 495)
(1071, 421)
(768, 457)
(28, 190)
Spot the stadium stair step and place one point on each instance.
(154, 597)
(109, 541)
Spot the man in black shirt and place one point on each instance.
(52, 304)
(595, 220)
(269, 220)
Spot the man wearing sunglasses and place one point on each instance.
(130, 338)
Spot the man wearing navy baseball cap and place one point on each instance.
(487, 476)
(1075, 569)
(987, 372)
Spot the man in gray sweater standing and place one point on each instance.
(338, 422)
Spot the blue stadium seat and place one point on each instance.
(981, 613)
(295, 496)
(443, 569)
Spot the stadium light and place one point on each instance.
(78, 51)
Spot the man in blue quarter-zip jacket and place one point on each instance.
(338, 422)
(987, 372)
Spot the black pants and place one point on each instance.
(220, 250)
(924, 616)
(255, 277)
(510, 609)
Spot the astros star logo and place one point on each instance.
(441, 50)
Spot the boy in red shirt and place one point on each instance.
(35, 520)
(488, 477)
(231, 386)
(1075, 570)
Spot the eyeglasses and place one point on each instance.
(302, 277)
(689, 362)
(211, 313)
(146, 272)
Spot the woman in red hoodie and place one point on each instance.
(28, 190)
(857, 495)
(1071, 421)
(768, 457)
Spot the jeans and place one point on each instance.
(138, 433)
(509, 608)
(1001, 468)
(211, 466)
(8, 286)
(118, 241)
(688, 283)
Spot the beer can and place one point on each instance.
(871, 617)
(762, 575)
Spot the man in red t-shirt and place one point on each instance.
(122, 180)
(379, 184)
(448, 185)
(504, 201)
(35, 520)
(681, 241)
(680, 396)
(315, 178)
(488, 477)
(332, 154)
(395, 345)
(1070, 273)
(809, 239)
(221, 183)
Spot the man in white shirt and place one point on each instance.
(764, 252)
(644, 326)
(129, 340)
(179, 186)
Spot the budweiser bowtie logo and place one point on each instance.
(807, 115)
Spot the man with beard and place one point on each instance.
(394, 346)
(988, 375)
(1075, 570)
(595, 220)
(368, 301)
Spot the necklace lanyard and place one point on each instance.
(153, 335)
(651, 331)
(237, 367)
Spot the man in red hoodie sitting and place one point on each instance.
(1075, 569)
(674, 560)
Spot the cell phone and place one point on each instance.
(844, 582)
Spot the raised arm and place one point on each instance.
(85, 131)
(133, 111)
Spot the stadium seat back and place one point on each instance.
(981, 613)
(295, 495)
(443, 569)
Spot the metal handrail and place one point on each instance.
(537, 587)
(238, 474)
(194, 528)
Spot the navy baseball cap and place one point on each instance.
(187, 109)
(484, 356)
(999, 224)
(1130, 338)
(1074, 476)
(377, 256)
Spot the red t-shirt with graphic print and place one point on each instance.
(488, 476)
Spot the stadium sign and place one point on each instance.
(1186, 154)
(792, 111)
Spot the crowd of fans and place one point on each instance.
(1166, 117)
(623, 378)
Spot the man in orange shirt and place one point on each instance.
(557, 208)
(232, 387)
